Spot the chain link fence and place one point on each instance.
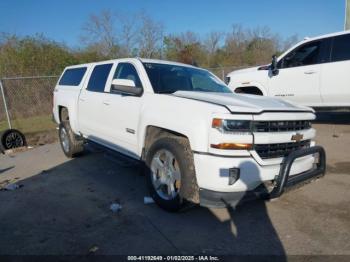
(221, 72)
(28, 103)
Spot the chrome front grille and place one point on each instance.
(266, 151)
(280, 126)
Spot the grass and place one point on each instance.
(31, 125)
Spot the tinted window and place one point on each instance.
(127, 71)
(72, 77)
(325, 54)
(341, 48)
(99, 77)
(307, 54)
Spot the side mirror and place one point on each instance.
(125, 86)
(274, 69)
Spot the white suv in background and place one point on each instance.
(315, 72)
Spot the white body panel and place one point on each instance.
(120, 122)
(299, 84)
(335, 83)
(323, 84)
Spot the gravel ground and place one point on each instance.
(62, 207)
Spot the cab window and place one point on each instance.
(99, 77)
(127, 71)
(307, 54)
(341, 48)
(72, 76)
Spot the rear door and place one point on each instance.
(298, 79)
(91, 100)
(335, 77)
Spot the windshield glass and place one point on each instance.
(167, 78)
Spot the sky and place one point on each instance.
(62, 20)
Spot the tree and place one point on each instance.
(129, 33)
(115, 35)
(34, 55)
(185, 47)
(150, 37)
(212, 45)
(100, 34)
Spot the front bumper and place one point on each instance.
(213, 198)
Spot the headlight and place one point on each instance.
(225, 125)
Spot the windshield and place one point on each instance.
(168, 79)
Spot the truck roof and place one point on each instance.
(143, 60)
(327, 35)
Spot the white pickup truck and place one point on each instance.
(200, 142)
(314, 72)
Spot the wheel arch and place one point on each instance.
(152, 133)
(63, 113)
(253, 90)
(258, 86)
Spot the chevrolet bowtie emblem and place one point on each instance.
(297, 137)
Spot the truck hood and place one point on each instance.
(237, 103)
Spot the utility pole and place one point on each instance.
(347, 15)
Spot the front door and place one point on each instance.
(123, 111)
(298, 78)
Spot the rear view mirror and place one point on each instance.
(125, 86)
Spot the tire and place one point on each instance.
(187, 188)
(11, 138)
(71, 145)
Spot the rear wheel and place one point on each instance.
(70, 143)
(170, 173)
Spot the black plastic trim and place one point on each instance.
(283, 180)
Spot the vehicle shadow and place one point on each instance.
(65, 210)
(6, 169)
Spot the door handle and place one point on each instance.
(107, 103)
(310, 72)
(82, 99)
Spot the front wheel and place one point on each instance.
(170, 173)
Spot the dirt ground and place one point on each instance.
(63, 207)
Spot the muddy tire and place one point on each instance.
(10, 139)
(71, 145)
(170, 173)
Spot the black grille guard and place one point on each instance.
(284, 180)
